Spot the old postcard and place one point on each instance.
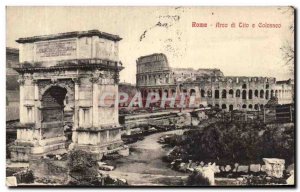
(150, 96)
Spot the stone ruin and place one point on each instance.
(274, 167)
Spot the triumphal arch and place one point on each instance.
(61, 79)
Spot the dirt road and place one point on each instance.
(144, 165)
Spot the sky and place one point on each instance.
(146, 30)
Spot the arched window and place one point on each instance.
(217, 94)
(166, 93)
(160, 93)
(256, 93)
(209, 105)
(244, 86)
(237, 93)
(224, 106)
(244, 94)
(267, 94)
(231, 93)
(272, 93)
(261, 93)
(217, 106)
(250, 94)
(230, 107)
(256, 106)
(276, 94)
(192, 92)
(202, 93)
(244, 106)
(261, 106)
(250, 106)
(224, 93)
(267, 86)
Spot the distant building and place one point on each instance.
(12, 85)
(209, 86)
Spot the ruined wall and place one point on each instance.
(211, 88)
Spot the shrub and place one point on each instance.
(197, 179)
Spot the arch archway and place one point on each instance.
(261, 94)
(231, 93)
(224, 94)
(256, 93)
(52, 112)
(202, 93)
(267, 94)
(224, 106)
(237, 93)
(250, 94)
(217, 94)
(244, 94)
(192, 92)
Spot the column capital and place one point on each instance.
(76, 81)
(21, 81)
(34, 81)
(94, 80)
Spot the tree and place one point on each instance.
(288, 49)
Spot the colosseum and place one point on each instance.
(209, 87)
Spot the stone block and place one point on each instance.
(255, 168)
(106, 167)
(222, 168)
(124, 152)
(217, 169)
(11, 181)
(227, 168)
(274, 167)
(243, 168)
(263, 168)
(208, 172)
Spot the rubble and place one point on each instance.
(25, 176)
(291, 179)
(11, 181)
(274, 167)
(243, 168)
(106, 167)
(208, 172)
(227, 168)
(124, 152)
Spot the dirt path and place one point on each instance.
(144, 165)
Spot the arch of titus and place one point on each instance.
(63, 76)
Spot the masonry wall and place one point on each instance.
(211, 87)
